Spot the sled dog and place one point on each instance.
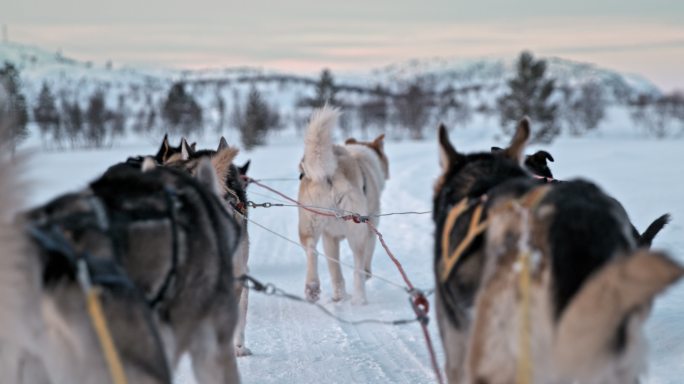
(589, 286)
(347, 178)
(171, 237)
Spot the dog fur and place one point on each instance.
(46, 334)
(233, 190)
(537, 164)
(591, 286)
(347, 177)
(140, 220)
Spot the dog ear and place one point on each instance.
(546, 155)
(351, 140)
(447, 153)
(588, 328)
(223, 144)
(193, 146)
(222, 161)
(163, 152)
(379, 141)
(185, 149)
(243, 169)
(496, 149)
(517, 147)
(207, 176)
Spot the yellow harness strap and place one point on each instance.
(529, 200)
(104, 336)
(92, 295)
(474, 229)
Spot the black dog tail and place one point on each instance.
(650, 233)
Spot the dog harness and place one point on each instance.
(477, 225)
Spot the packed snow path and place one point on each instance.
(296, 343)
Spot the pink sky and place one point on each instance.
(650, 46)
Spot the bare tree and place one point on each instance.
(96, 117)
(413, 109)
(585, 111)
(181, 112)
(256, 121)
(14, 111)
(46, 116)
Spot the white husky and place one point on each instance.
(348, 178)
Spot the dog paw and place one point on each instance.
(312, 291)
(241, 350)
(340, 295)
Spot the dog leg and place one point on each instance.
(368, 258)
(212, 353)
(240, 267)
(455, 344)
(331, 246)
(312, 289)
(240, 348)
(358, 241)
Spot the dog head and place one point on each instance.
(536, 163)
(167, 152)
(221, 159)
(588, 295)
(378, 146)
(472, 175)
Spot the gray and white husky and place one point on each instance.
(159, 243)
(233, 189)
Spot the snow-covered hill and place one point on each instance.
(38, 65)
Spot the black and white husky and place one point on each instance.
(580, 316)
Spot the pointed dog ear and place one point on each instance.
(243, 169)
(222, 161)
(223, 144)
(547, 155)
(519, 141)
(185, 149)
(163, 152)
(543, 156)
(447, 153)
(588, 326)
(193, 146)
(206, 175)
(379, 141)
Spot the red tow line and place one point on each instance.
(419, 303)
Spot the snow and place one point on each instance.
(296, 343)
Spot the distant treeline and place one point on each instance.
(407, 110)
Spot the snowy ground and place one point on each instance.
(295, 343)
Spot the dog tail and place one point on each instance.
(650, 233)
(319, 162)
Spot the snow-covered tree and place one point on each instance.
(13, 109)
(47, 116)
(529, 94)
